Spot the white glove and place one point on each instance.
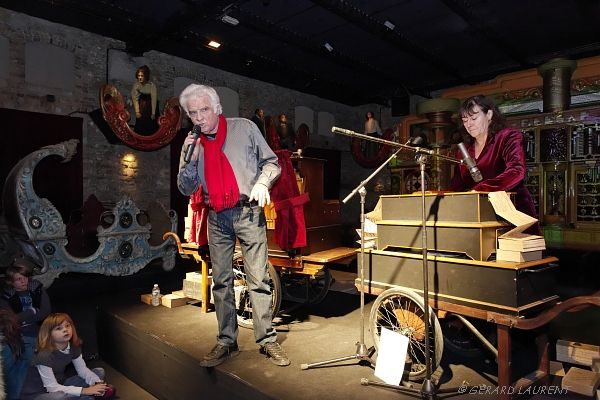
(260, 193)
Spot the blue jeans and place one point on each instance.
(249, 226)
(72, 381)
(15, 371)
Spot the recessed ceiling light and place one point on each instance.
(328, 47)
(214, 44)
(389, 25)
(230, 20)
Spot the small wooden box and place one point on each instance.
(576, 352)
(193, 289)
(172, 300)
(194, 276)
(581, 381)
(147, 298)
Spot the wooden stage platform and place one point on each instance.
(159, 349)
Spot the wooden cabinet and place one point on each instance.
(553, 207)
(563, 174)
(585, 186)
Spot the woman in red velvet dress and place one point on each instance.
(498, 152)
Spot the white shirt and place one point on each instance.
(51, 385)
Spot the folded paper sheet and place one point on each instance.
(506, 209)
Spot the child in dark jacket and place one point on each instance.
(27, 298)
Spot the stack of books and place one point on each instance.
(520, 247)
(515, 245)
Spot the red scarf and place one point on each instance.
(221, 184)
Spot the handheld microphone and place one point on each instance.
(190, 150)
(470, 163)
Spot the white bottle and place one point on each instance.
(156, 295)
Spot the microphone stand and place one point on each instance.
(362, 354)
(428, 389)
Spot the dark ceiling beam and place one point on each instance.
(140, 35)
(183, 31)
(181, 28)
(463, 8)
(369, 24)
(104, 19)
(272, 29)
(196, 12)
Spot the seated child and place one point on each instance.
(27, 298)
(58, 346)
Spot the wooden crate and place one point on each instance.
(173, 300)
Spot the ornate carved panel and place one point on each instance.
(116, 115)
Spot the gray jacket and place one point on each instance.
(251, 159)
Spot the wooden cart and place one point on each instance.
(462, 282)
(303, 277)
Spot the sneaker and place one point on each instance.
(275, 352)
(218, 354)
(109, 393)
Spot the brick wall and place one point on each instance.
(98, 58)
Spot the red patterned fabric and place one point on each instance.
(290, 228)
(199, 228)
(223, 190)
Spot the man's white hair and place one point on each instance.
(197, 91)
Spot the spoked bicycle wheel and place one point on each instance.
(243, 304)
(306, 289)
(402, 310)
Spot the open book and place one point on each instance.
(370, 234)
(506, 209)
(515, 240)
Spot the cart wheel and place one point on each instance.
(403, 311)
(460, 340)
(242, 294)
(306, 289)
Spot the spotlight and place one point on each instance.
(328, 47)
(230, 20)
(388, 24)
(214, 44)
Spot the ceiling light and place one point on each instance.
(389, 25)
(230, 20)
(214, 45)
(328, 47)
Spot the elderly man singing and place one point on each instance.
(236, 169)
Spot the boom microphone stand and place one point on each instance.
(362, 354)
(428, 389)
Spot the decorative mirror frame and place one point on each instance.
(116, 115)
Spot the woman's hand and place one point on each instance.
(95, 390)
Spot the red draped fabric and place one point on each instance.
(271, 134)
(290, 228)
(199, 228)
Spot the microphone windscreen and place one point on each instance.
(420, 140)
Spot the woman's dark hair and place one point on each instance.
(485, 104)
(11, 330)
(145, 70)
(367, 115)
